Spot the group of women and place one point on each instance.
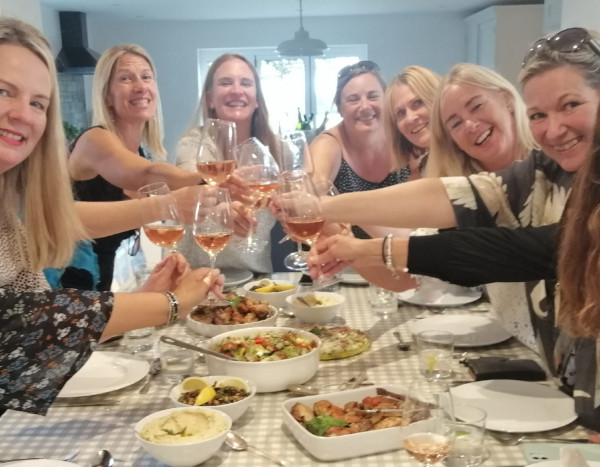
(470, 121)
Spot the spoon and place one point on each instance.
(104, 459)
(185, 345)
(402, 344)
(308, 390)
(236, 442)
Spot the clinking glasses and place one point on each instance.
(565, 41)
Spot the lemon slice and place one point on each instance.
(266, 282)
(193, 383)
(206, 395)
(234, 383)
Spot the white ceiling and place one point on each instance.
(238, 9)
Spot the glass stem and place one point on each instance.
(299, 247)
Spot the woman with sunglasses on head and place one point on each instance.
(51, 334)
(409, 99)
(561, 86)
(232, 92)
(355, 153)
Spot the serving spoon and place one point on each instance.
(104, 459)
(238, 443)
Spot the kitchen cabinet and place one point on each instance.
(500, 36)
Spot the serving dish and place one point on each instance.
(269, 376)
(347, 446)
(211, 330)
(277, 299)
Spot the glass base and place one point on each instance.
(296, 261)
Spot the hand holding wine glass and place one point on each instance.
(259, 169)
(429, 403)
(215, 161)
(161, 219)
(213, 226)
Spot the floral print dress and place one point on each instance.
(532, 193)
(45, 336)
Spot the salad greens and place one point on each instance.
(319, 425)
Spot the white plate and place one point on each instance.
(105, 372)
(468, 330)
(453, 297)
(236, 276)
(517, 406)
(41, 463)
(556, 463)
(348, 276)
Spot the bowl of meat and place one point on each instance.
(228, 394)
(273, 357)
(345, 424)
(242, 313)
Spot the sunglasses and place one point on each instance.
(363, 65)
(565, 41)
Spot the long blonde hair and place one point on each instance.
(424, 83)
(153, 129)
(259, 127)
(445, 157)
(39, 188)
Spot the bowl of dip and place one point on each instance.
(183, 437)
(316, 307)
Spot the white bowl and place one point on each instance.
(353, 445)
(235, 410)
(268, 376)
(277, 299)
(183, 455)
(210, 330)
(316, 314)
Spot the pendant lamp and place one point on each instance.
(302, 44)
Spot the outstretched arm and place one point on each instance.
(420, 203)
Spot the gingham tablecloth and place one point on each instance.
(89, 429)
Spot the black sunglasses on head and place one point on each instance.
(565, 41)
(366, 65)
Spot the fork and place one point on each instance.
(513, 439)
(154, 370)
(67, 458)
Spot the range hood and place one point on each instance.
(75, 56)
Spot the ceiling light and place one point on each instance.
(302, 44)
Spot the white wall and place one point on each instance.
(25, 10)
(434, 41)
(583, 13)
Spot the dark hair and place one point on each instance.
(349, 72)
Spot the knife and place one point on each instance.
(85, 404)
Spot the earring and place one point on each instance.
(112, 114)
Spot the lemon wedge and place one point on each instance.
(193, 383)
(234, 383)
(283, 287)
(265, 289)
(206, 395)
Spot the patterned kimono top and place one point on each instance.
(45, 336)
(533, 192)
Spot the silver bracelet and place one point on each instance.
(389, 261)
(173, 307)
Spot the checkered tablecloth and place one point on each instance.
(88, 429)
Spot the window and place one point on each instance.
(304, 85)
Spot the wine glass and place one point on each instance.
(259, 169)
(295, 158)
(428, 404)
(215, 161)
(161, 219)
(213, 227)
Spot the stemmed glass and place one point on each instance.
(213, 227)
(162, 221)
(259, 169)
(295, 158)
(429, 403)
(215, 159)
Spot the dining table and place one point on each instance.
(72, 427)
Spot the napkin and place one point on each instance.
(570, 457)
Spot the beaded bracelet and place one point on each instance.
(173, 307)
(389, 261)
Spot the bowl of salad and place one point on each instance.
(272, 357)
